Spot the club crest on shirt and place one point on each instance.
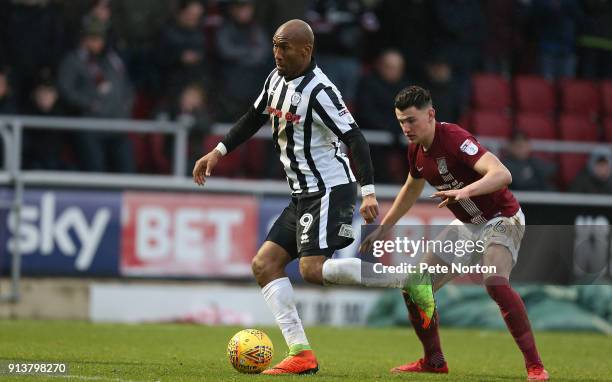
(469, 147)
(296, 98)
(442, 168)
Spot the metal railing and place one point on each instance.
(495, 145)
(11, 132)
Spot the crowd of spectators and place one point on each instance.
(206, 60)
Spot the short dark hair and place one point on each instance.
(413, 96)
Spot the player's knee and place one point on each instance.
(262, 266)
(257, 266)
(311, 270)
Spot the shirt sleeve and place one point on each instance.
(330, 111)
(261, 102)
(464, 146)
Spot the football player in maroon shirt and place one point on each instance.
(472, 183)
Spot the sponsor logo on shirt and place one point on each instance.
(289, 116)
(469, 147)
(442, 168)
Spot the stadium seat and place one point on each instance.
(607, 127)
(491, 124)
(491, 92)
(231, 165)
(574, 127)
(580, 97)
(536, 125)
(606, 97)
(570, 166)
(534, 94)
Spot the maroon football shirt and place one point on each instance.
(449, 164)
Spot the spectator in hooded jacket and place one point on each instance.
(93, 82)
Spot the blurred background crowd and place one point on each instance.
(207, 60)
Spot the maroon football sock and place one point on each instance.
(429, 337)
(514, 313)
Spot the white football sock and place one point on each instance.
(279, 296)
(353, 271)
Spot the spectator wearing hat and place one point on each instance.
(596, 177)
(93, 82)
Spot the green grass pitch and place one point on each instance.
(169, 352)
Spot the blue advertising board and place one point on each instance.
(63, 233)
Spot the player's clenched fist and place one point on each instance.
(369, 208)
(204, 166)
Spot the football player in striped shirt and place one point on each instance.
(309, 120)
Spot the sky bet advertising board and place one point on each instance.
(146, 234)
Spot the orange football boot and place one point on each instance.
(304, 362)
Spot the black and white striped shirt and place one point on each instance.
(308, 117)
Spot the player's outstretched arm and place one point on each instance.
(495, 176)
(405, 199)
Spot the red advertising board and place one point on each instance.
(188, 235)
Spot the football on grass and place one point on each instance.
(250, 351)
